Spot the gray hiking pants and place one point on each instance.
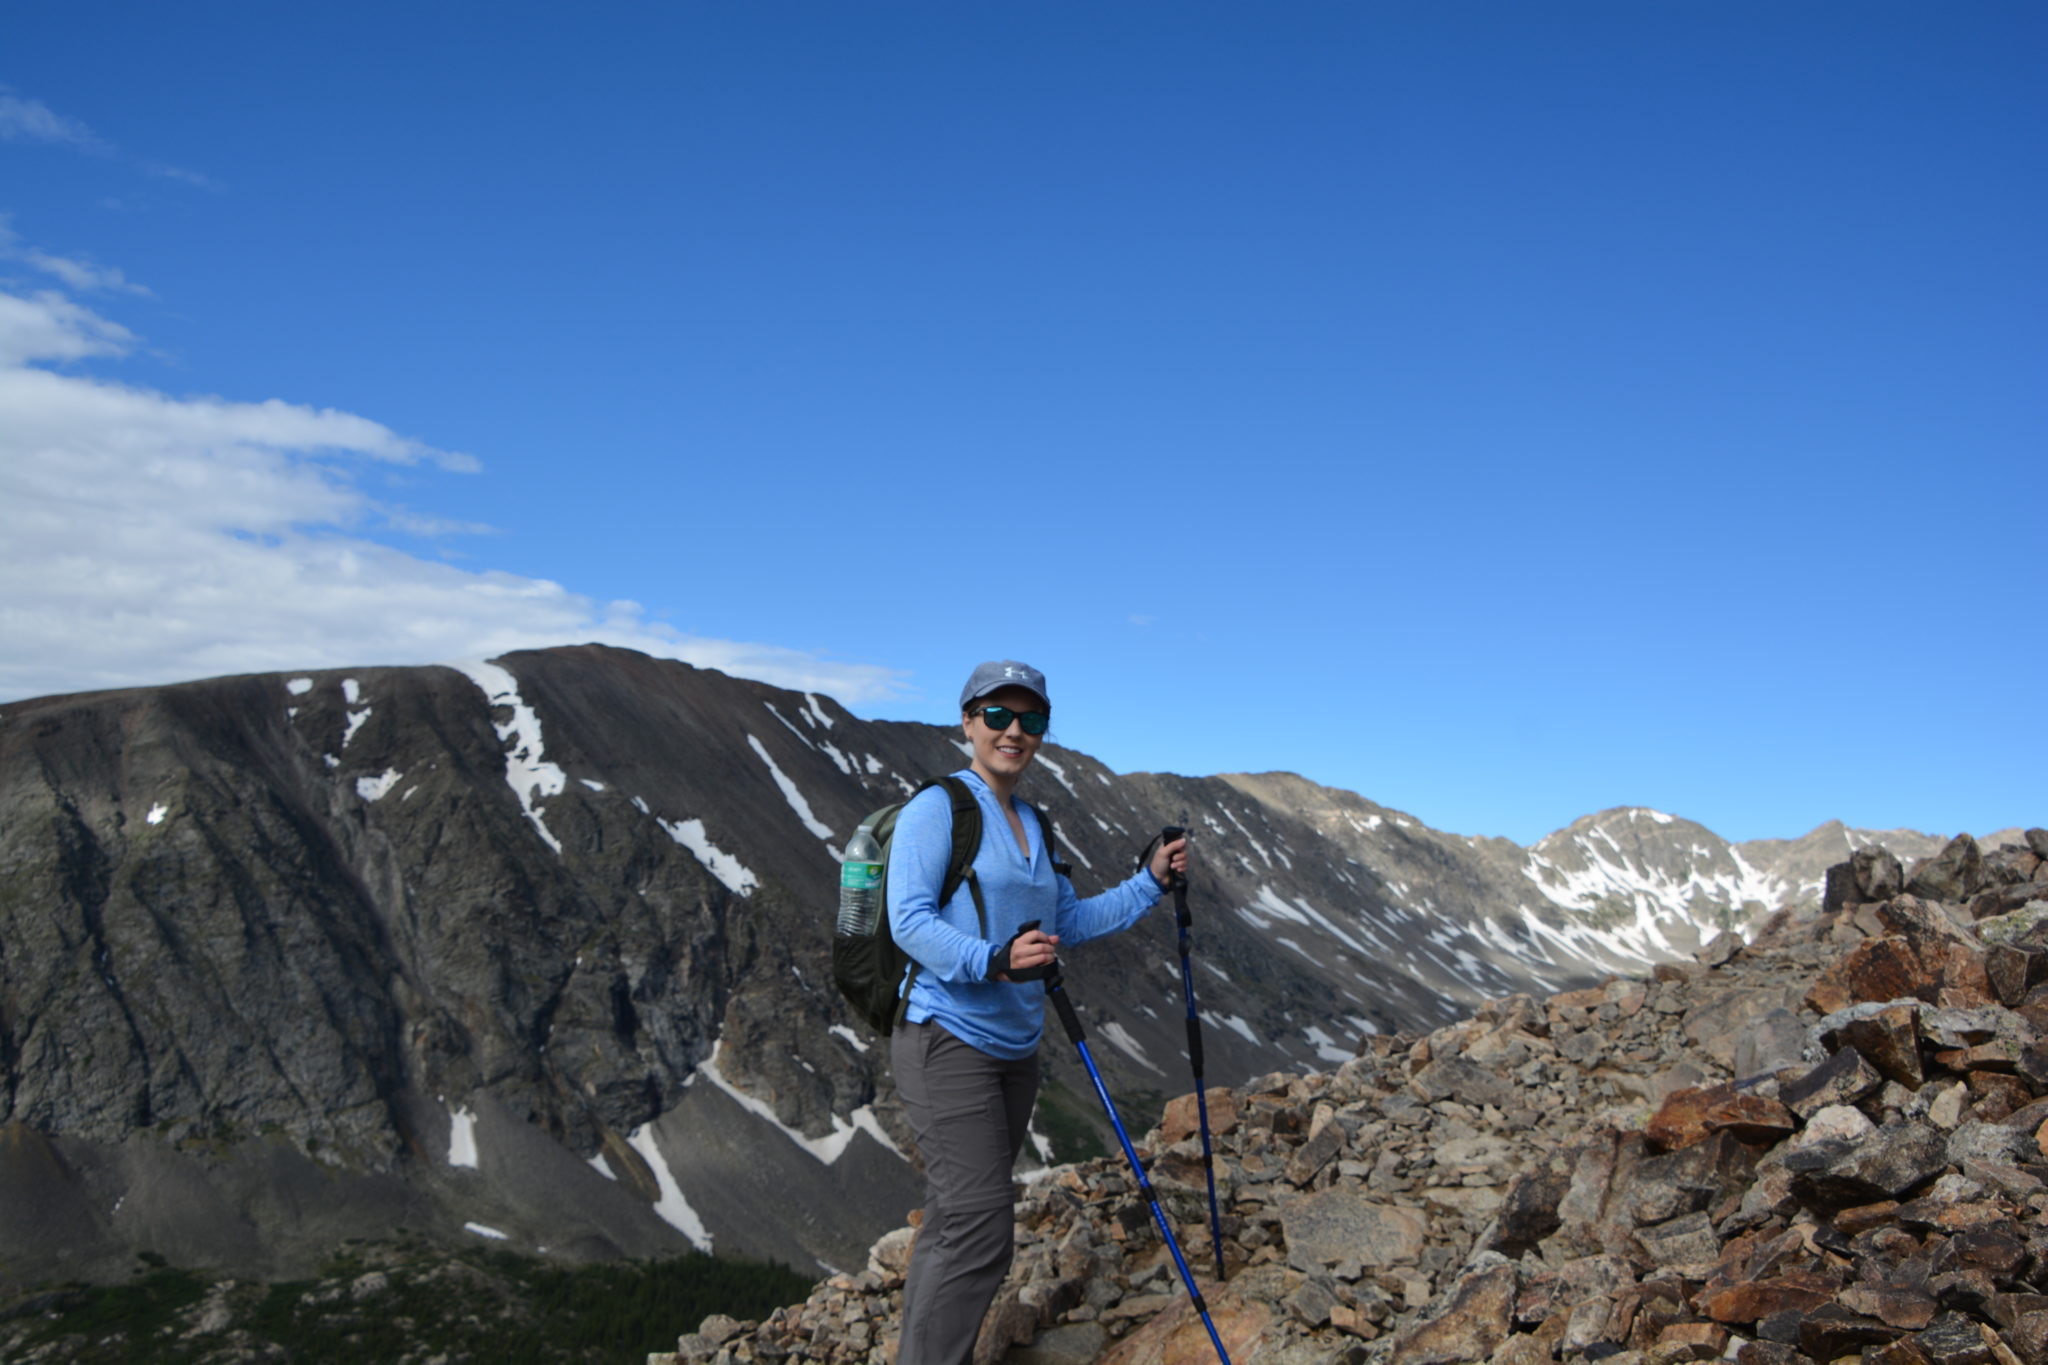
(969, 1112)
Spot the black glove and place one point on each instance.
(999, 965)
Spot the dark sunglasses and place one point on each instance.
(998, 718)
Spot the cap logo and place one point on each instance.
(1012, 673)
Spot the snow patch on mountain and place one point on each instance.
(1120, 1038)
(737, 876)
(526, 767)
(672, 1208)
(801, 737)
(1326, 1046)
(1059, 773)
(790, 793)
(377, 788)
(827, 1149)
(1648, 885)
(462, 1138)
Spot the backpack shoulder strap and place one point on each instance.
(966, 843)
(959, 866)
(1052, 849)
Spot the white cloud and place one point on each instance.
(179, 173)
(147, 538)
(23, 119)
(28, 120)
(48, 326)
(76, 274)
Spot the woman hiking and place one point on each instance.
(966, 1053)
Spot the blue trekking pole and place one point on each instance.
(1056, 991)
(1187, 986)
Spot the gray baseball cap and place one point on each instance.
(1001, 673)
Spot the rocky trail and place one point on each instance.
(1828, 1144)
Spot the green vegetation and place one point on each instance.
(1144, 1110)
(386, 1303)
(1069, 1126)
(139, 1311)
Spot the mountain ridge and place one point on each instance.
(288, 957)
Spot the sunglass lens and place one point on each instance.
(998, 718)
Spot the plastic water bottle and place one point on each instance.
(860, 886)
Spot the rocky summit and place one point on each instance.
(1826, 1144)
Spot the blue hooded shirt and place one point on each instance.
(1004, 1019)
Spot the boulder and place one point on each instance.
(1690, 1116)
(1528, 1211)
(1877, 874)
(1685, 1245)
(1955, 874)
(1889, 1040)
(1183, 1116)
(1467, 1082)
(1178, 1336)
(1842, 1079)
(1472, 1325)
(1343, 1224)
(1886, 1163)
(1882, 969)
(1795, 1291)
(1074, 1343)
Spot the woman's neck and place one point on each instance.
(1003, 787)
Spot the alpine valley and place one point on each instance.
(535, 953)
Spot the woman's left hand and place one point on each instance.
(1170, 863)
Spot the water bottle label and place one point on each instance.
(860, 876)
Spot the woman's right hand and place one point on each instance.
(1027, 950)
(1170, 862)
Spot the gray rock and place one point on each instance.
(1312, 1302)
(1878, 875)
(1953, 875)
(1772, 1043)
(1843, 1078)
(1470, 1326)
(1686, 1244)
(1341, 1224)
(1468, 1082)
(1075, 1343)
(1885, 1164)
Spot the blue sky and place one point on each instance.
(1502, 411)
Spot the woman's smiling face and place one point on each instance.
(1006, 753)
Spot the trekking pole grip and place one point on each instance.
(1180, 881)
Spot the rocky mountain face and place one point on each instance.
(1828, 1144)
(536, 951)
